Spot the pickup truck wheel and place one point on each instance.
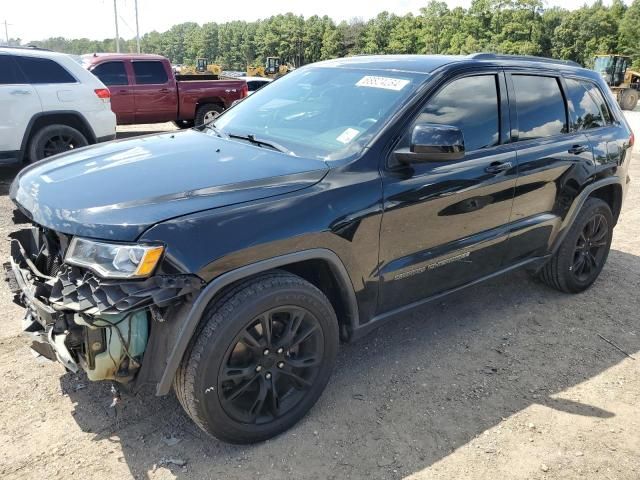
(263, 357)
(54, 139)
(207, 113)
(583, 252)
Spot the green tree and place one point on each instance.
(629, 37)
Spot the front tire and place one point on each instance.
(53, 139)
(583, 252)
(629, 99)
(261, 360)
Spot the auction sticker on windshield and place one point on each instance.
(348, 135)
(388, 83)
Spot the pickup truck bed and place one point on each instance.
(144, 89)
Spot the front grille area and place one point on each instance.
(82, 291)
(37, 255)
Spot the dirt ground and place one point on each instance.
(509, 379)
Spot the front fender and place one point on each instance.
(192, 312)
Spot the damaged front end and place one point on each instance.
(82, 320)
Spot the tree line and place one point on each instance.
(522, 27)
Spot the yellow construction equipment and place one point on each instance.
(623, 82)
(202, 66)
(273, 68)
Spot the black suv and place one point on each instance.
(229, 261)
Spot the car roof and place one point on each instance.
(91, 58)
(253, 79)
(31, 52)
(428, 63)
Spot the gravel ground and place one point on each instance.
(508, 379)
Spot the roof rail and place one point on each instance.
(25, 47)
(528, 58)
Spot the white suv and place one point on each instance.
(49, 104)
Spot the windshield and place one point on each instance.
(326, 113)
(602, 64)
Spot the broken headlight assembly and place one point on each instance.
(114, 260)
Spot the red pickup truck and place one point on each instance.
(144, 89)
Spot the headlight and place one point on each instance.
(114, 260)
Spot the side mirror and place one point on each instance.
(431, 142)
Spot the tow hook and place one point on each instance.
(62, 352)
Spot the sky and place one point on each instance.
(94, 19)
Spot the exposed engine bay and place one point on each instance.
(81, 320)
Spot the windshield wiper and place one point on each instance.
(251, 138)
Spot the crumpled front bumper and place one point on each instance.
(71, 313)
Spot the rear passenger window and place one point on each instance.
(471, 104)
(586, 112)
(111, 73)
(43, 70)
(540, 107)
(9, 73)
(148, 73)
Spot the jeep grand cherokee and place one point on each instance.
(229, 261)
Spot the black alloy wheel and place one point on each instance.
(261, 358)
(584, 250)
(271, 365)
(54, 139)
(591, 248)
(58, 144)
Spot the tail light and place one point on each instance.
(632, 139)
(245, 90)
(103, 94)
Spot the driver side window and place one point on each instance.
(469, 103)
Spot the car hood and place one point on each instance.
(115, 191)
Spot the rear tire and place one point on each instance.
(207, 113)
(242, 385)
(583, 252)
(629, 99)
(184, 124)
(53, 139)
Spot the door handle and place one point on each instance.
(497, 167)
(577, 149)
(20, 92)
(164, 90)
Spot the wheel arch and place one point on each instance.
(211, 100)
(70, 118)
(321, 267)
(612, 194)
(608, 189)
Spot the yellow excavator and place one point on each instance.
(623, 82)
(273, 68)
(202, 67)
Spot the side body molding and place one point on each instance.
(190, 322)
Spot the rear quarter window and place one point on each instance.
(586, 112)
(42, 70)
(540, 107)
(150, 73)
(598, 98)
